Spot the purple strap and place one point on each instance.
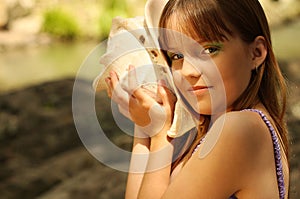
(276, 145)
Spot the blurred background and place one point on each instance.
(43, 43)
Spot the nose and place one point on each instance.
(188, 70)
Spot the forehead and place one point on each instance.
(175, 34)
(198, 24)
(198, 30)
(172, 40)
(175, 23)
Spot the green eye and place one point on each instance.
(211, 50)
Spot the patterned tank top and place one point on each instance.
(277, 156)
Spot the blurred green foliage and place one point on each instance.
(67, 20)
(60, 24)
(111, 9)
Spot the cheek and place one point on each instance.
(180, 82)
(182, 86)
(236, 76)
(176, 77)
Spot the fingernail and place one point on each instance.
(161, 82)
(161, 89)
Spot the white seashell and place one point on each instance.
(123, 48)
(153, 10)
(133, 41)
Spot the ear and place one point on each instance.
(258, 51)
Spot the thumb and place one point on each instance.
(167, 97)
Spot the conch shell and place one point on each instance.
(140, 33)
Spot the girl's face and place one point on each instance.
(210, 75)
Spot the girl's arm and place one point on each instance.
(157, 178)
(141, 142)
(154, 119)
(138, 163)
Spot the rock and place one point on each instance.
(41, 154)
(19, 8)
(11, 40)
(14, 9)
(3, 15)
(27, 25)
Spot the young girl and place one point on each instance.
(249, 150)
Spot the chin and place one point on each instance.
(203, 108)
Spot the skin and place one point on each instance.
(241, 162)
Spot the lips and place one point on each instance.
(195, 88)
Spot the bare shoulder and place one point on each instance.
(243, 135)
(241, 119)
(241, 127)
(230, 158)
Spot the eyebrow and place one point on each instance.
(199, 41)
(173, 49)
(172, 46)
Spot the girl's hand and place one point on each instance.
(152, 114)
(117, 94)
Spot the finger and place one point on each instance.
(133, 102)
(132, 79)
(133, 84)
(165, 94)
(134, 88)
(109, 89)
(138, 113)
(119, 95)
(114, 79)
(115, 92)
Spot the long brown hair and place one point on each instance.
(206, 19)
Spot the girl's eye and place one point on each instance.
(211, 50)
(176, 56)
